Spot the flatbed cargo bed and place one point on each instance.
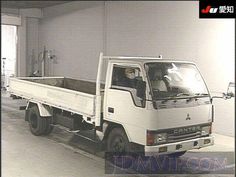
(76, 96)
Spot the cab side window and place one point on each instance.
(126, 78)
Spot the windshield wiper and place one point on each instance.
(188, 97)
(174, 97)
(201, 94)
(182, 94)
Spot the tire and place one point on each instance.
(37, 124)
(118, 141)
(49, 127)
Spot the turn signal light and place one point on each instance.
(150, 138)
(210, 131)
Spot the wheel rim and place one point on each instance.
(118, 144)
(33, 121)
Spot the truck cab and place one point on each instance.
(167, 109)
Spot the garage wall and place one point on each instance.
(74, 32)
(78, 33)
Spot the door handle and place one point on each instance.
(111, 110)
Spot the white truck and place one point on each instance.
(169, 110)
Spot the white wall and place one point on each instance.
(173, 29)
(76, 38)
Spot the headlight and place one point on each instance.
(154, 138)
(160, 138)
(206, 130)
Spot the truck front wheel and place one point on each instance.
(117, 141)
(38, 125)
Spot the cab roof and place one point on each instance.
(143, 61)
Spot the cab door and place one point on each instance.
(124, 104)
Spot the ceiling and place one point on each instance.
(29, 4)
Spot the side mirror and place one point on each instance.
(141, 89)
(229, 94)
(230, 91)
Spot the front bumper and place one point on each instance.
(196, 143)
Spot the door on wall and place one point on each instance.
(8, 53)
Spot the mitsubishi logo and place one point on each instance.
(188, 117)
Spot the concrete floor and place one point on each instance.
(59, 154)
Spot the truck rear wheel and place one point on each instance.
(117, 141)
(38, 125)
(49, 127)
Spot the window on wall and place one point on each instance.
(8, 53)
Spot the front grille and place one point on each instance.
(182, 133)
(174, 138)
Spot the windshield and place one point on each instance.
(175, 80)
